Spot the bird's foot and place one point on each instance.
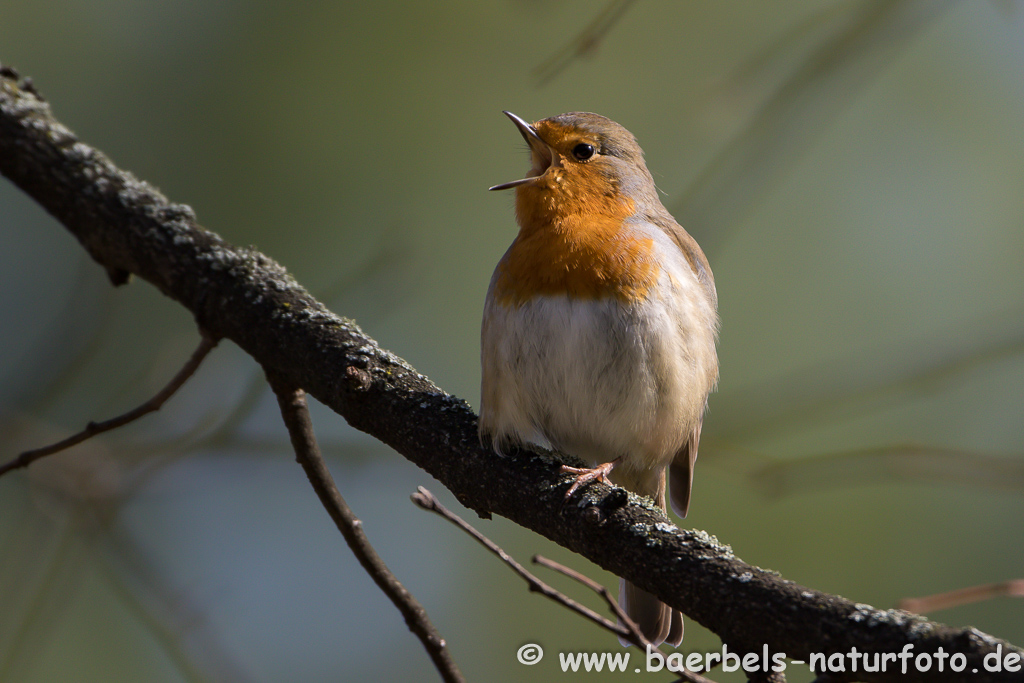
(586, 475)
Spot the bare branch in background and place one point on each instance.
(391, 272)
(881, 377)
(226, 433)
(66, 344)
(44, 584)
(295, 414)
(583, 44)
(206, 345)
(175, 619)
(804, 105)
(964, 596)
(901, 464)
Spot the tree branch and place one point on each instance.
(426, 500)
(127, 226)
(296, 417)
(1013, 588)
(626, 628)
(606, 595)
(26, 458)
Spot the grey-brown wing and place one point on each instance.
(693, 253)
(680, 473)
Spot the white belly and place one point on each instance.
(600, 379)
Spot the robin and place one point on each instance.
(600, 326)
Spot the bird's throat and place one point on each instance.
(577, 244)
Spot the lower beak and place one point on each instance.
(539, 150)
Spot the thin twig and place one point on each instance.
(598, 588)
(206, 345)
(296, 417)
(426, 500)
(175, 618)
(964, 596)
(603, 591)
(625, 629)
(584, 43)
(803, 105)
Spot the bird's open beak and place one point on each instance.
(540, 153)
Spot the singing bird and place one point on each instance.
(600, 326)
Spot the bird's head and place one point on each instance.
(580, 163)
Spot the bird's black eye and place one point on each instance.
(583, 151)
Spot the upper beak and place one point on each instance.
(540, 151)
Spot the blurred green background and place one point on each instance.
(853, 170)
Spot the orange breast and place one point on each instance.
(573, 243)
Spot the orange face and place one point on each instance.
(572, 210)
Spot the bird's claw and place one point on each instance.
(585, 475)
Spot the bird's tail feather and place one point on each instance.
(657, 621)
